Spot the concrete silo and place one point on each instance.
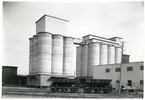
(30, 54)
(118, 55)
(84, 60)
(57, 55)
(68, 56)
(35, 56)
(103, 54)
(111, 54)
(44, 53)
(78, 61)
(93, 56)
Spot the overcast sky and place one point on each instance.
(107, 19)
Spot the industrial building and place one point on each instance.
(50, 51)
(10, 76)
(51, 54)
(131, 74)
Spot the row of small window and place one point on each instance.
(129, 82)
(128, 69)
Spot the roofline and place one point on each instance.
(52, 17)
(119, 63)
(116, 37)
(10, 66)
(126, 55)
(68, 37)
(95, 36)
(21, 75)
(105, 41)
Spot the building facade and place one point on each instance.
(131, 74)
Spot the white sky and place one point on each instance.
(107, 19)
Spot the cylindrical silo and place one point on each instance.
(57, 54)
(111, 54)
(84, 55)
(93, 56)
(118, 55)
(30, 54)
(78, 61)
(44, 53)
(35, 57)
(103, 54)
(68, 56)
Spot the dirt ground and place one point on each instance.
(24, 92)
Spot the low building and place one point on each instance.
(9, 75)
(131, 74)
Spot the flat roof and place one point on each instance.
(94, 36)
(9, 66)
(52, 17)
(118, 64)
(115, 37)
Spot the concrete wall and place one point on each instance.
(33, 80)
(39, 80)
(99, 72)
(44, 80)
(51, 24)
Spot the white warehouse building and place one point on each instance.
(131, 74)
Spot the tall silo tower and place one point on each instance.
(47, 51)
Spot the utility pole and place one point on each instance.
(119, 85)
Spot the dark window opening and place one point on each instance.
(141, 67)
(117, 81)
(107, 70)
(129, 68)
(129, 83)
(117, 69)
(141, 82)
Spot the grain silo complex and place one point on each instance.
(98, 59)
(50, 51)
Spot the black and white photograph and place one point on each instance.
(70, 49)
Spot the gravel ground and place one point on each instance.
(23, 92)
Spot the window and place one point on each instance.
(141, 82)
(141, 67)
(107, 70)
(117, 81)
(129, 68)
(117, 69)
(129, 83)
